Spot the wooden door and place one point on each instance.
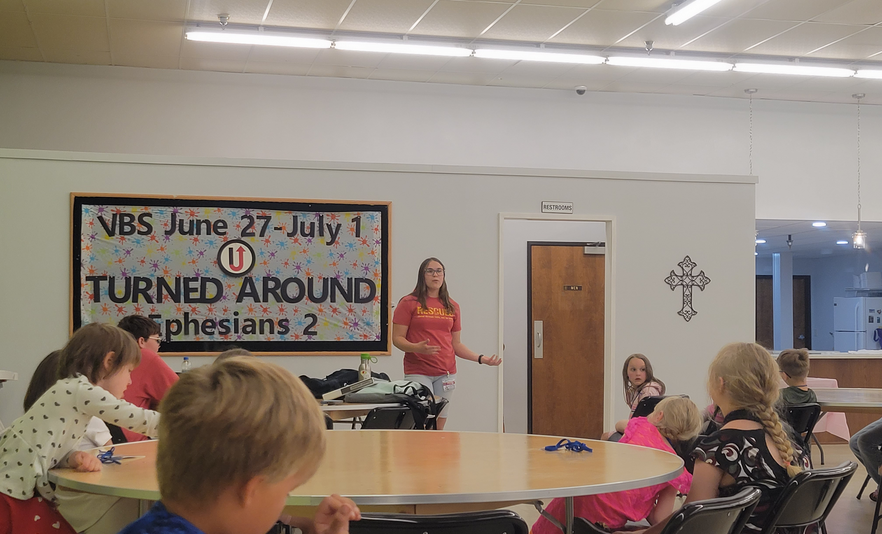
(802, 312)
(566, 384)
(765, 318)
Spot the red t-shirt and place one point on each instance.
(434, 324)
(150, 380)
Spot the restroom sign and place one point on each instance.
(556, 207)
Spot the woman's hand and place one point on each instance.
(492, 360)
(423, 347)
(82, 461)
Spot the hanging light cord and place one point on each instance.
(859, 161)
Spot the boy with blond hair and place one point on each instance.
(794, 367)
(234, 439)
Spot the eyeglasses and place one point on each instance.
(433, 272)
(157, 339)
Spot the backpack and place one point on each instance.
(417, 397)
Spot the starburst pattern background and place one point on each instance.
(276, 255)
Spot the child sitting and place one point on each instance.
(751, 449)
(638, 382)
(95, 369)
(794, 366)
(674, 420)
(235, 437)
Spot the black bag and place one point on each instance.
(415, 396)
(335, 380)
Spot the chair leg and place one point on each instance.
(821, 449)
(863, 486)
(876, 515)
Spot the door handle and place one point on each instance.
(537, 339)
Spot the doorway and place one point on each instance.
(566, 292)
(802, 312)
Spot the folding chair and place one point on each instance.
(803, 418)
(809, 497)
(724, 515)
(393, 417)
(488, 522)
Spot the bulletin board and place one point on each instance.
(271, 276)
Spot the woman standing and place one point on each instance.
(426, 326)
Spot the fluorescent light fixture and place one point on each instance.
(873, 74)
(685, 11)
(842, 242)
(550, 57)
(256, 38)
(799, 70)
(402, 48)
(760, 241)
(819, 224)
(665, 63)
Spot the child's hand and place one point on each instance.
(82, 461)
(334, 514)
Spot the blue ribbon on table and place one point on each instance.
(575, 446)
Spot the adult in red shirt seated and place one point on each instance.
(427, 326)
(152, 378)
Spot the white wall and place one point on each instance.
(438, 211)
(516, 234)
(804, 153)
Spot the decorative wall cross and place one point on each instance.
(687, 281)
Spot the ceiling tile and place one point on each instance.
(77, 57)
(166, 10)
(632, 87)
(217, 51)
(717, 79)
(856, 47)
(649, 6)
(240, 11)
(464, 20)
(583, 4)
(135, 58)
(15, 31)
(516, 80)
(11, 6)
(802, 39)
(531, 23)
(540, 69)
(654, 76)
(86, 8)
(21, 54)
(734, 37)
(399, 75)
(567, 84)
(854, 12)
(795, 10)
(265, 67)
(601, 28)
(384, 16)
(62, 32)
(337, 71)
(812, 83)
(730, 9)
(319, 14)
(217, 65)
(141, 36)
(666, 37)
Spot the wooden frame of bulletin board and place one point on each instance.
(276, 277)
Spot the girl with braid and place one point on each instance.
(751, 448)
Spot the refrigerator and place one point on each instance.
(855, 320)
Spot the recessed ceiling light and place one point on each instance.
(756, 253)
(760, 241)
(842, 242)
(819, 224)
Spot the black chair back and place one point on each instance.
(724, 515)
(489, 522)
(809, 497)
(803, 418)
(393, 417)
(646, 405)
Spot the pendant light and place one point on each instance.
(859, 238)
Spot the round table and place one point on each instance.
(458, 470)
